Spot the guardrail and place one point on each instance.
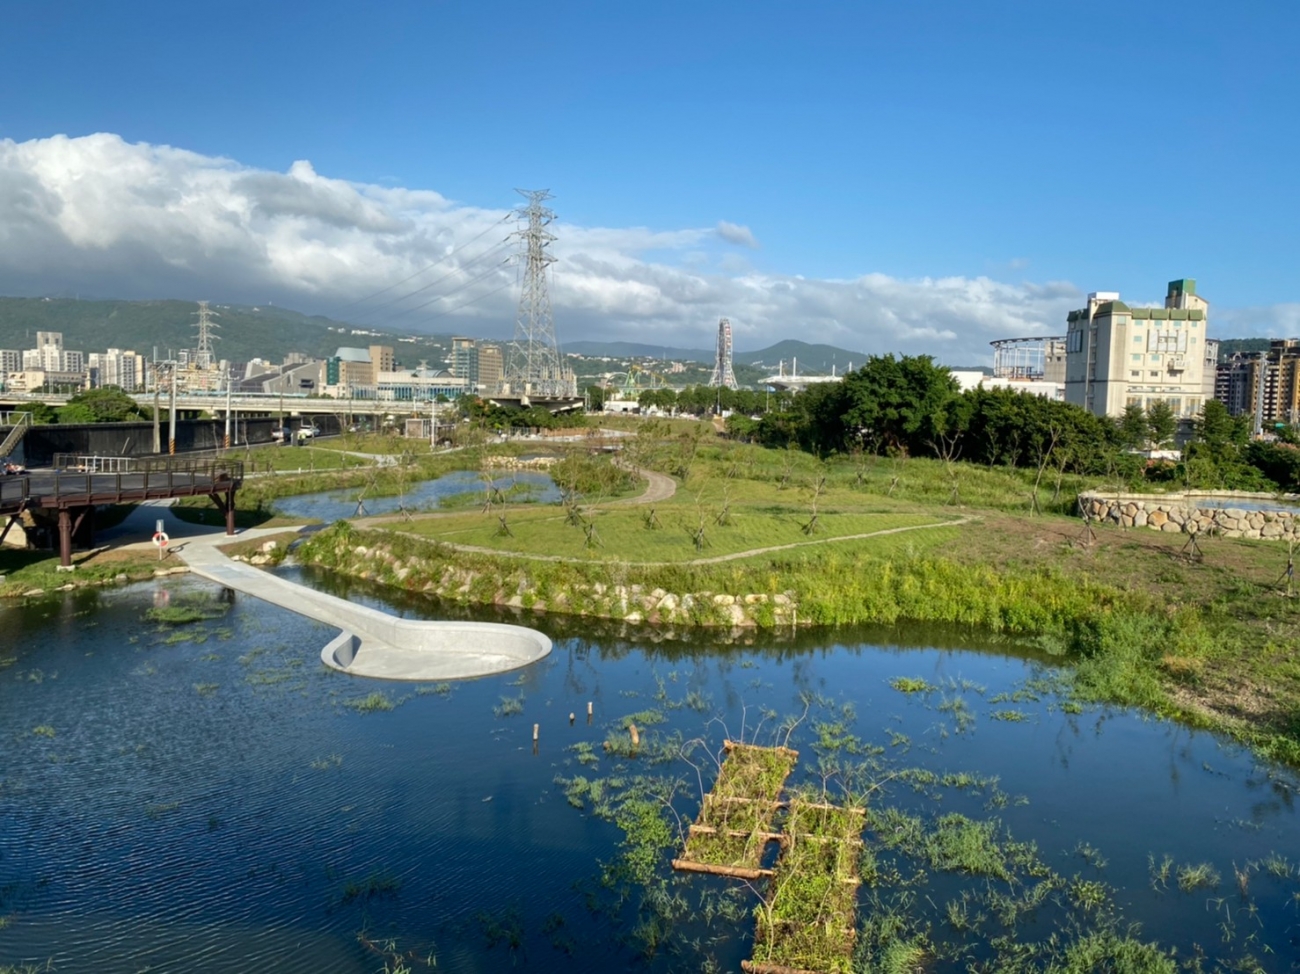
(215, 469)
(21, 421)
(14, 492)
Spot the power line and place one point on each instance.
(466, 304)
(495, 248)
(446, 256)
(470, 283)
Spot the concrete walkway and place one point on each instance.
(372, 643)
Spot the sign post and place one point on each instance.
(160, 539)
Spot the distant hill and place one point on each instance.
(811, 358)
(245, 331)
(629, 350)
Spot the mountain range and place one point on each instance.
(272, 333)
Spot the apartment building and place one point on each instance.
(1117, 355)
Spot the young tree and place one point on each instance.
(1161, 424)
(1133, 428)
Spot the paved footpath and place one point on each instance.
(372, 643)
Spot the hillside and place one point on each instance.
(245, 332)
(812, 358)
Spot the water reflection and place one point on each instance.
(425, 495)
(209, 798)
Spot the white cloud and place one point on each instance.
(737, 234)
(100, 215)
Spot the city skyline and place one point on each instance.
(890, 181)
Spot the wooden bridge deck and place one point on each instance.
(74, 494)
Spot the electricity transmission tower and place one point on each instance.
(535, 367)
(204, 358)
(723, 375)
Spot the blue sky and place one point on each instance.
(1038, 145)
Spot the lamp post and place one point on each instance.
(230, 376)
(171, 415)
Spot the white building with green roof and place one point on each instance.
(1116, 355)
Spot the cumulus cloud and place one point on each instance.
(100, 215)
(737, 234)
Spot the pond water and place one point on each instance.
(208, 798)
(424, 495)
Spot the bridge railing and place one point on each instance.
(138, 484)
(81, 463)
(218, 468)
(13, 492)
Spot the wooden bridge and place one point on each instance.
(76, 485)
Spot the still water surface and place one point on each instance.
(205, 799)
(424, 495)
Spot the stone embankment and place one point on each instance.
(1192, 513)
(515, 588)
(519, 463)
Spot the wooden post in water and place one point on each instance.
(589, 711)
(572, 718)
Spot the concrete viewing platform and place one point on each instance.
(372, 643)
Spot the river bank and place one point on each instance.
(1137, 627)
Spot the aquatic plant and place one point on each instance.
(1197, 876)
(910, 684)
(509, 706)
(378, 883)
(372, 703)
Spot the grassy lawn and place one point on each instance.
(25, 570)
(623, 535)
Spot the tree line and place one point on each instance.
(909, 406)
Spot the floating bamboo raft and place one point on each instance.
(807, 924)
(735, 822)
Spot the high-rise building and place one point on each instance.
(491, 368)
(1264, 386)
(465, 360)
(116, 368)
(1118, 355)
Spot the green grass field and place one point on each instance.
(622, 533)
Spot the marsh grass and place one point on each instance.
(374, 703)
(206, 689)
(1197, 876)
(43, 730)
(911, 684)
(188, 610)
(376, 884)
(509, 706)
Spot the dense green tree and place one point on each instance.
(1162, 424)
(109, 404)
(892, 404)
(1133, 428)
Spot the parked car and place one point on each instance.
(282, 435)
